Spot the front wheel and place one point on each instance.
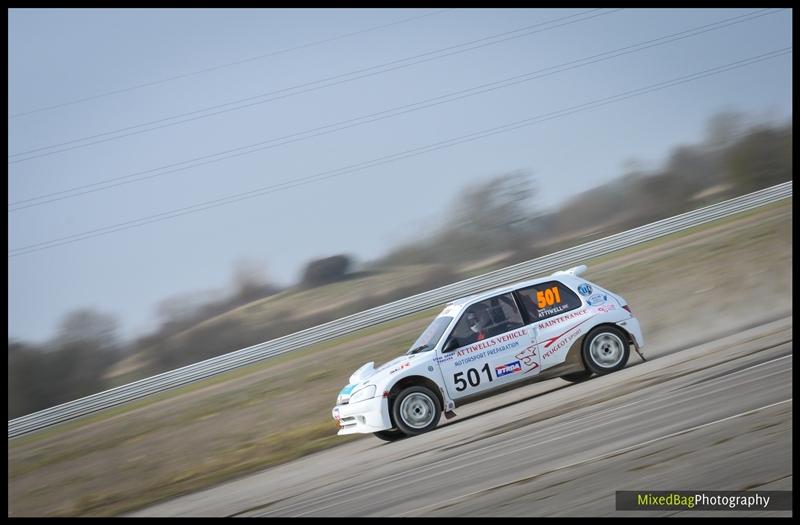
(416, 410)
(390, 435)
(606, 349)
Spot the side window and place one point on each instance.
(548, 299)
(487, 319)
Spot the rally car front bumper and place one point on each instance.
(364, 417)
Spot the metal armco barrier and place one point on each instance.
(387, 312)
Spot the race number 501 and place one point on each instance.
(473, 376)
(548, 297)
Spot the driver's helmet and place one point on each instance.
(473, 322)
(478, 319)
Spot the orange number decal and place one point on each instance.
(547, 297)
(540, 298)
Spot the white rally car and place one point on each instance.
(557, 326)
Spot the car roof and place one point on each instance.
(506, 289)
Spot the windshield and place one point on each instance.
(431, 335)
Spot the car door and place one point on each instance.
(483, 350)
(559, 317)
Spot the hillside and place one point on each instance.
(291, 310)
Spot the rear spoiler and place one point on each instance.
(575, 271)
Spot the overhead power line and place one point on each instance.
(325, 83)
(394, 157)
(381, 115)
(222, 66)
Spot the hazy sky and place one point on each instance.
(58, 56)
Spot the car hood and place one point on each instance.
(368, 369)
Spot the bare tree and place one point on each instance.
(88, 327)
(492, 213)
(326, 270)
(762, 158)
(250, 281)
(180, 311)
(68, 367)
(723, 129)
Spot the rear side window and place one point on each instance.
(548, 299)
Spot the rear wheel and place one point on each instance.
(416, 410)
(390, 435)
(577, 377)
(606, 349)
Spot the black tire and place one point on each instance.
(606, 349)
(390, 435)
(577, 377)
(416, 410)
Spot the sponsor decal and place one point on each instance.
(509, 368)
(497, 350)
(606, 308)
(391, 363)
(552, 311)
(488, 343)
(553, 339)
(401, 367)
(489, 352)
(558, 320)
(470, 359)
(597, 299)
(444, 358)
(574, 333)
(527, 357)
(585, 289)
(561, 344)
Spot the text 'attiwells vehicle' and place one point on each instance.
(557, 326)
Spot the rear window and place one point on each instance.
(548, 299)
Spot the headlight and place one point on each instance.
(344, 394)
(367, 392)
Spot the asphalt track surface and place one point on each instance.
(712, 417)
